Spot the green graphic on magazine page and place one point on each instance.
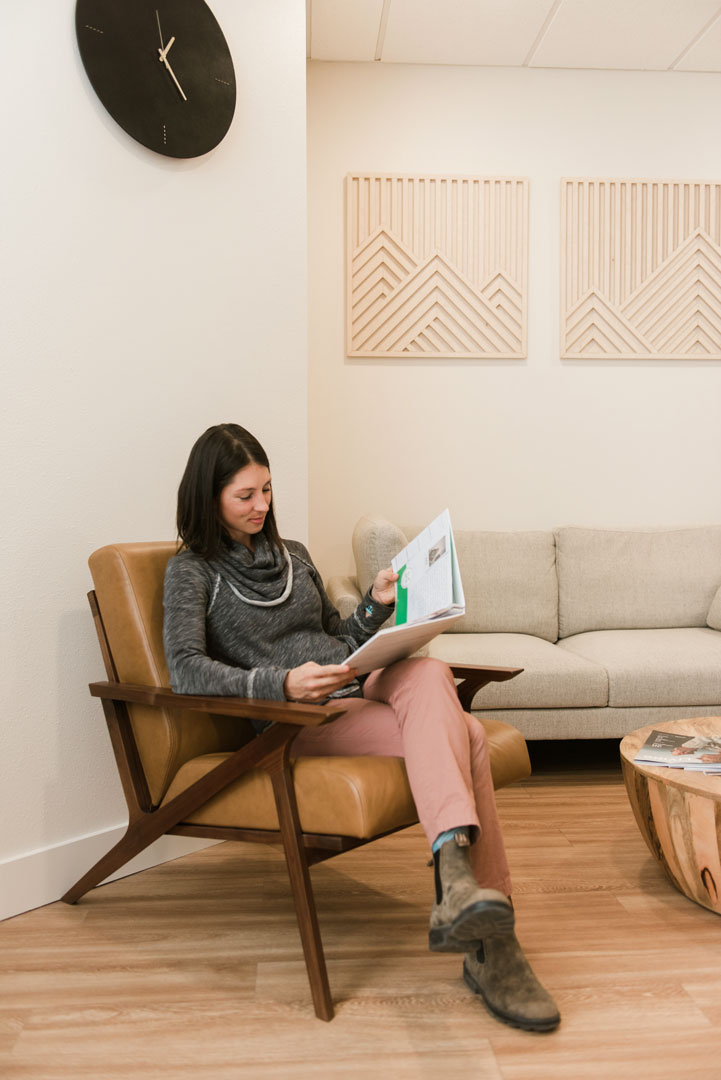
(402, 596)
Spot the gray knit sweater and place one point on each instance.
(217, 642)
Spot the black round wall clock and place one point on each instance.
(162, 69)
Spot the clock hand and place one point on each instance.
(163, 58)
(164, 52)
(163, 55)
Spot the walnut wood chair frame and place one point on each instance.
(269, 751)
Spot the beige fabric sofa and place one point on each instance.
(614, 628)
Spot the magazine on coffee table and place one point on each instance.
(699, 753)
(429, 598)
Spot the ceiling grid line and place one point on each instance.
(701, 34)
(555, 6)
(613, 35)
(382, 26)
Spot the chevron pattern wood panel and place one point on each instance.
(640, 269)
(436, 266)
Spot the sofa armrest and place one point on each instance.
(343, 591)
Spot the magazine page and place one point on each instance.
(397, 642)
(428, 583)
(699, 752)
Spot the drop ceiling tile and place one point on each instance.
(488, 32)
(623, 34)
(344, 29)
(705, 55)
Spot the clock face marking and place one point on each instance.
(177, 99)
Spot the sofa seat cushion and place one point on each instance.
(348, 796)
(678, 666)
(552, 678)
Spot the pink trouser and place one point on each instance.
(411, 710)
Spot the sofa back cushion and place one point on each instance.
(510, 583)
(630, 579)
(509, 578)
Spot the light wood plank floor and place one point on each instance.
(194, 969)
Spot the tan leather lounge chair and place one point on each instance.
(191, 766)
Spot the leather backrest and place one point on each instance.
(128, 580)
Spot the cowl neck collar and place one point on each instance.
(263, 577)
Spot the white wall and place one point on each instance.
(528, 444)
(142, 299)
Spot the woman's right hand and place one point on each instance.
(314, 682)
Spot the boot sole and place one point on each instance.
(465, 934)
(524, 1024)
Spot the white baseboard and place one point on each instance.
(41, 877)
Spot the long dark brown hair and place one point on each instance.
(217, 456)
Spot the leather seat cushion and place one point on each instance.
(345, 796)
(508, 751)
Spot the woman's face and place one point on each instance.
(243, 503)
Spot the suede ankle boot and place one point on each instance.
(463, 914)
(501, 974)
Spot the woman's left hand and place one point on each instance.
(383, 591)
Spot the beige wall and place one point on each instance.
(528, 444)
(138, 304)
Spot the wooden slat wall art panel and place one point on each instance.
(640, 269)
(436, 266)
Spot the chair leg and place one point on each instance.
(301, 886)
(145, 827)
(126, 849)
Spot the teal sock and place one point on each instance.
(449, 834)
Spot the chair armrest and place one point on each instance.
(344, 594)
(283, 712)
(475, 676)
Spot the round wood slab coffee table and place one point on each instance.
(679, 813)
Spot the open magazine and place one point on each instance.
(699, 753)
(429, 598)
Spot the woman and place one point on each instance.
(246, 614)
